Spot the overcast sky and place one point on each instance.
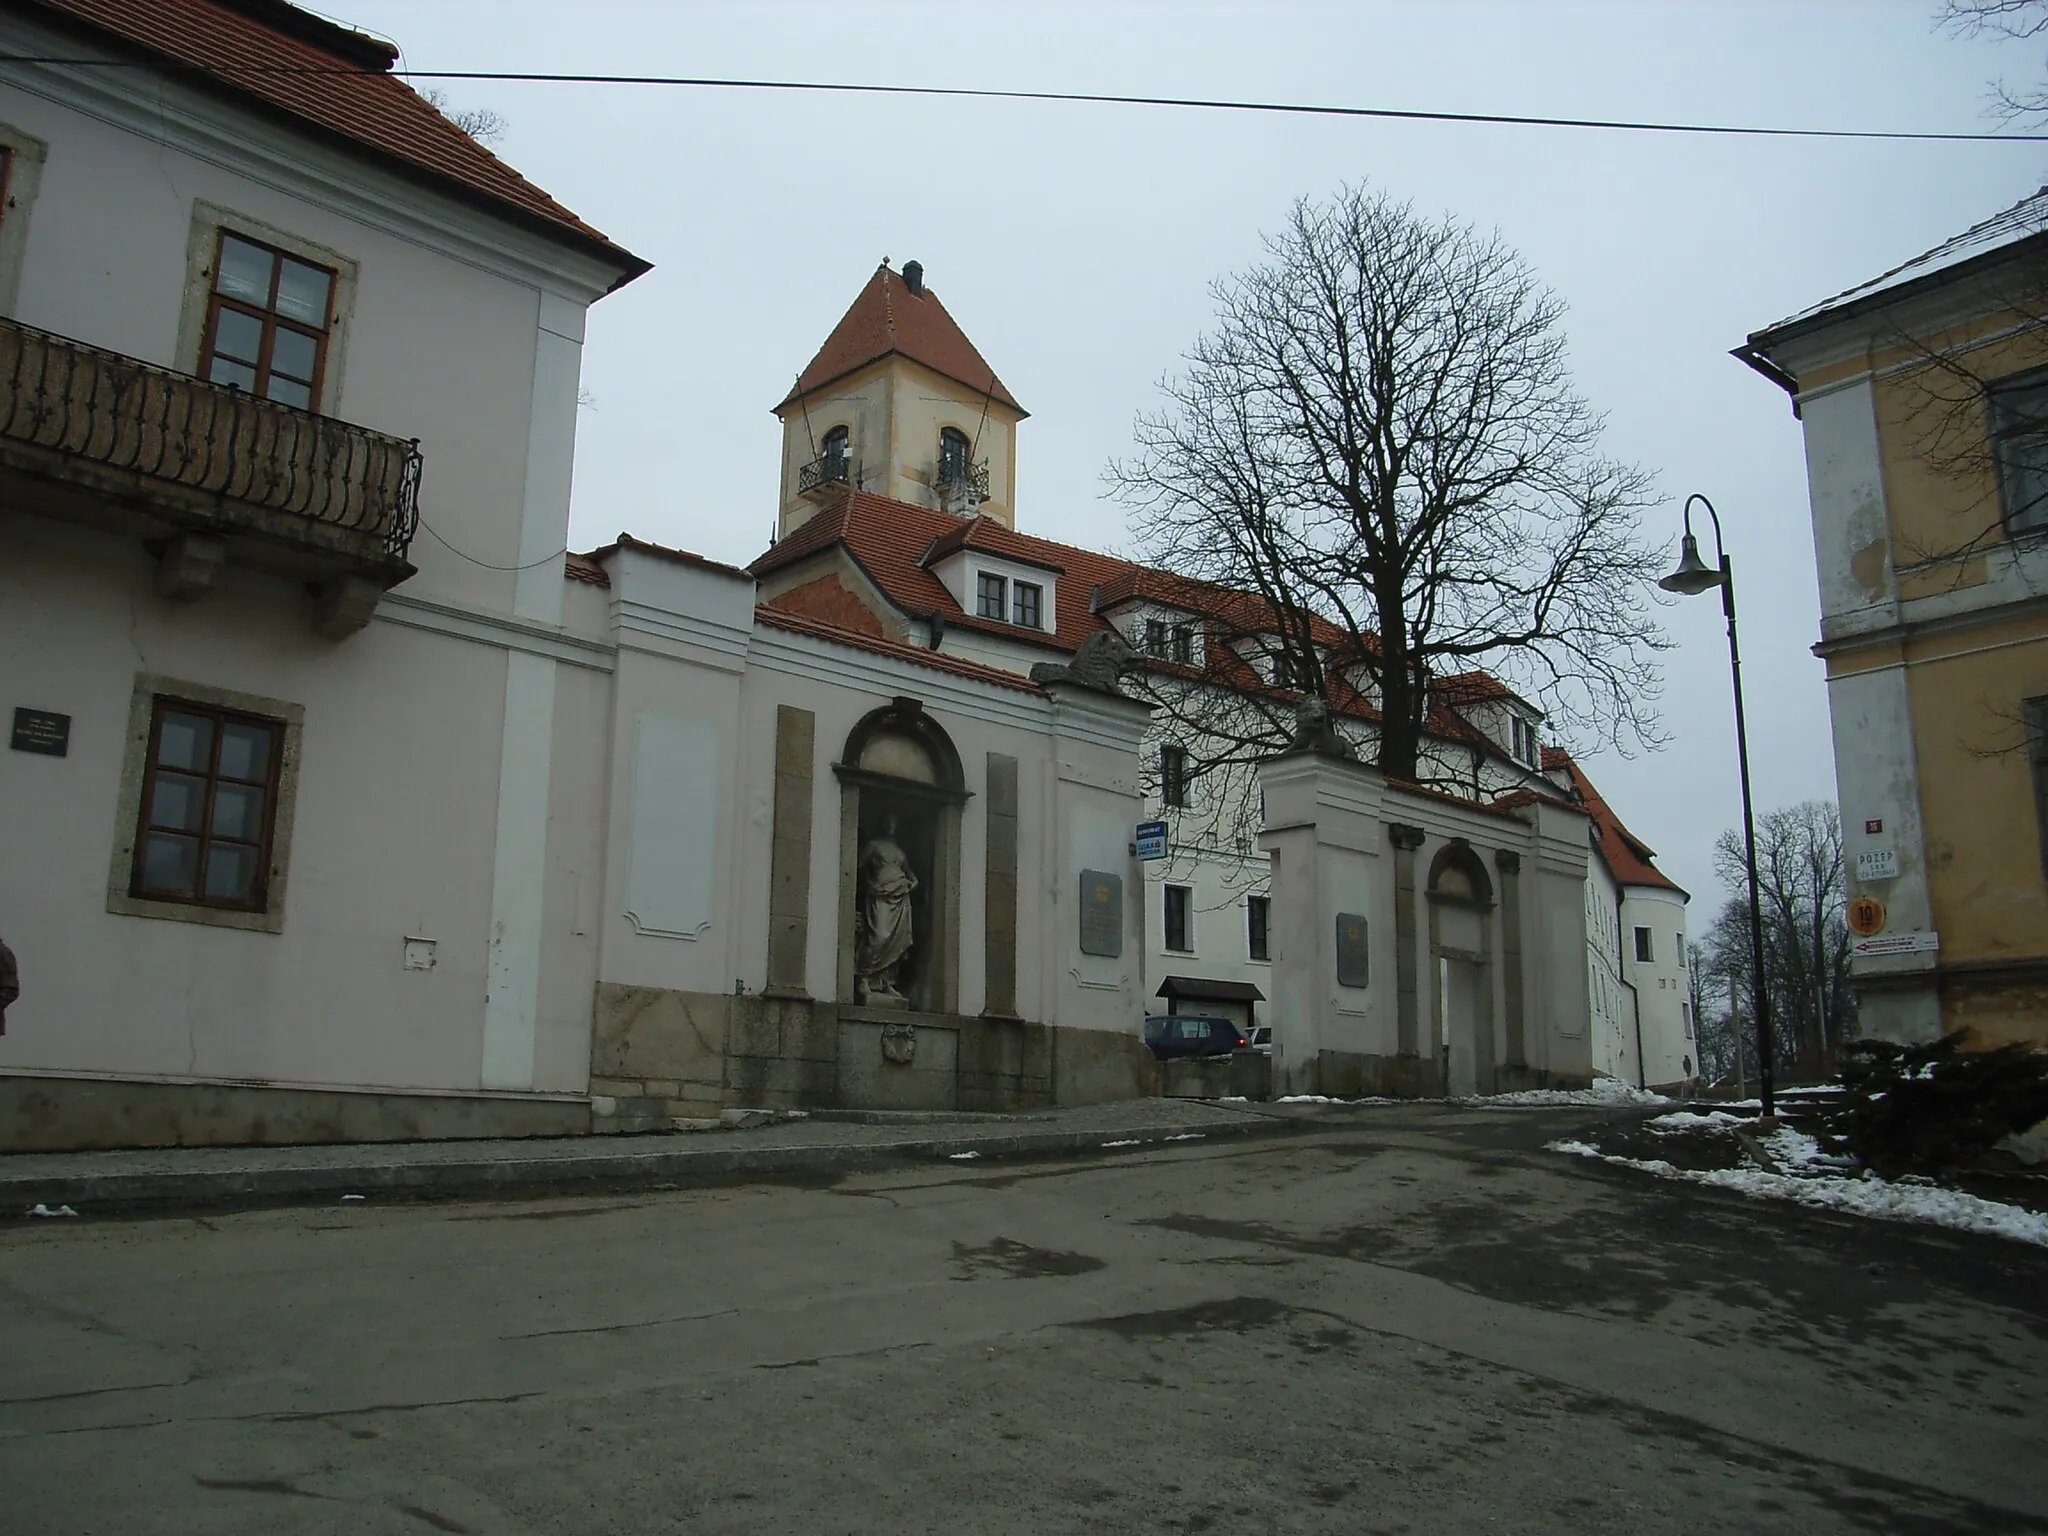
(1075, 244)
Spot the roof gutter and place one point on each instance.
(1750, 356)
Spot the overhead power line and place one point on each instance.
(1090, 98)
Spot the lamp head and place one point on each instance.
(1693, 575)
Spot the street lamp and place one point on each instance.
(1693, 577)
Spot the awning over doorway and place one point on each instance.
(1200, 989)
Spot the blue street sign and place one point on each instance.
(1151, 839)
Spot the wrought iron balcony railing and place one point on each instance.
(821, 474)
(962, 480)
(203, 455)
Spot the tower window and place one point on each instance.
(1258, 911)
(836, 442)
(990, 596)
(953, 451)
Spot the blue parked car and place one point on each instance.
(1192, 1034)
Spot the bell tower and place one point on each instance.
(899, 403)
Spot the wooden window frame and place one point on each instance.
(271, 785)
(269, 319)
(1037, 604)
(985, 584)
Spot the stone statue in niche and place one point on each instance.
(885, 884)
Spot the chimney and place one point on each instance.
(913, 277)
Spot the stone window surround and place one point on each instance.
(149, 687)
(25, 157)
(203, 249)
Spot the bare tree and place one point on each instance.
(1806, 935)
(480, 123)
(1379, 447)
(2016, 19)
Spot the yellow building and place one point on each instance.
(1923, 395)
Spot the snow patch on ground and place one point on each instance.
(1606, 1093)
(1868, 1196)
(1678, 1122)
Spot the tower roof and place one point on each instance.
(893, 315)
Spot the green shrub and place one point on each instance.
(1929, 1108)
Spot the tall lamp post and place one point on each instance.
(1693, 577)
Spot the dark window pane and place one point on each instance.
(237, 335)
(1028, 602)
(2026, 481)
(989, 594)
(245, 271)
(230, 871)
(224, 371)
(302, 293)
(294, 353)
(238, 811)
(244, 751)
(185, 741)
(176, 801)
(170, 863)
(289, 392)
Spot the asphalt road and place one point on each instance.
(1402, 1320)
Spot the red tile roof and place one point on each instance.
(585, 568)
(887, 318)
(288, 62)
(661, 551)
(1626, 855)
(800, 624)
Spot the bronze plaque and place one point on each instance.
(1354, 964)
(1102, 914)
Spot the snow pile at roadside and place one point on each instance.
(1680, 1121)
(1906, 1200)
(1606, 1093)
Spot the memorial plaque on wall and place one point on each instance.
(1353, 963)
(42, 731)
(1102, 914)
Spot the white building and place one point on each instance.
(341, 804)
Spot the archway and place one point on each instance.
(1461, 953)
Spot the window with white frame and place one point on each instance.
(1030, 605)
(991, 596)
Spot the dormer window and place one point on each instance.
(1524, 734)
(836, 444)
(1030, 605)
(991, 596)
(953, 451)
(1166, 641)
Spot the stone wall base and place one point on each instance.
(72, 1114)
(1520, 1079)
(697, 1053)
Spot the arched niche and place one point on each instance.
(901, 792)
(1461, 904)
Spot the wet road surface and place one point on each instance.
(1408, 1319)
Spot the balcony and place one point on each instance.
(821, 476)
(961, 487)
(204, 475)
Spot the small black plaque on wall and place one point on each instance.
(1102, 913)
(41, 730)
